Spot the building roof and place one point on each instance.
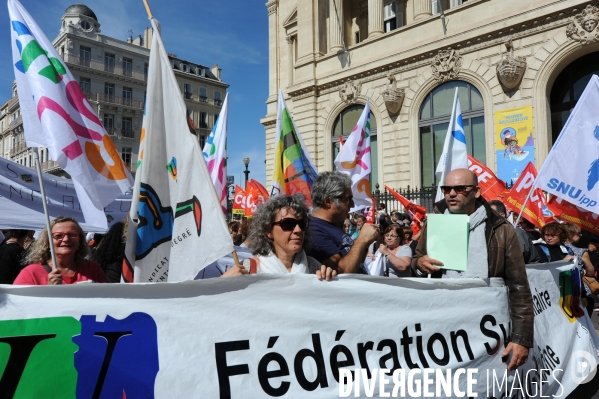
(81, 9)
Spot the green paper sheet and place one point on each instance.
(447, 240)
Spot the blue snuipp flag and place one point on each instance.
(455, 152)
(571, 170)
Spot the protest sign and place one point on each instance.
(109, 338)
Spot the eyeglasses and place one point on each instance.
(461, 189)
(288, 224)
(391, 236)
(61, 236)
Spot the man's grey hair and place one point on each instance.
(263, 219)
(330, 185)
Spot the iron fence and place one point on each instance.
(424, 196)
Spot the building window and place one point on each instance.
(145, 71)
(392, 17)
(568, 88)
(455, 3)
(187, 91)
(215, 119)
(109, 92)
(203, 95)
(85, 55)
(190, 116)
(126, 156)
(184, 68)
(202, 139)
(127, 66)
(85, 84)
(343, 126)
(109, 123)
(85, 25)
(435, 115)
(109, 62)
(127, 95)
(217, 99)
(127, 130)
(203, 120)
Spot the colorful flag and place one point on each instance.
(455, 153)
(56, 115)
(417, 212)
(261, 195)
(571, 213)
(239, 201)
(536, 211)
(371, 215)
(294, 169)
(176, 225)
(571, 170)
(251, 193)
(354, 160)
(491, 187)
(215, 154)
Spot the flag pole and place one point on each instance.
(534, 185)
(149, 11)
(36, 157)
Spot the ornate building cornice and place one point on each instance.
(272, 6)
(485, 40)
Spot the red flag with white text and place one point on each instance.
(536, 211)
(491, 186)
(568, 212)
(239, 201)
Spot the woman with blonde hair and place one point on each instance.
(71, 251)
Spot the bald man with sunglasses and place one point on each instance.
(493, 251)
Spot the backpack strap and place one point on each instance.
(254, 263)
(546, 251)
(48, 268)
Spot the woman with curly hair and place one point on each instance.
(71, 251)
(552, 249)
(110, 252)
(278, 237)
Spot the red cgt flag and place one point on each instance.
(261, 193)
(239, 201)
(491, 186)
(417, 212)
(536, 211)
(573, 214)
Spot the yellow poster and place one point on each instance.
(514, 143)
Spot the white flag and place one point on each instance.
(571, 170)
(354, 160)
(176, 225)
(215, 154)
(455, 153)
(56, 115)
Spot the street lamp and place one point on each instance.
(246, 162)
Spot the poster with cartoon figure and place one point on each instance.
(514, 143)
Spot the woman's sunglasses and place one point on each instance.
(288, 224)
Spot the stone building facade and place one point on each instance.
(521, 60)
(113, 75)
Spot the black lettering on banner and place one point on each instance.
(419, 347)
(490, 333)
(406, 341)
(393, 354)
(316, 354)
(20, 350)
(444, 360)
(16, 192)
(264, 375)
(112, 338)
(334, 357)
(362, 350)
(225, 371)
(466, 344)
(10, 175)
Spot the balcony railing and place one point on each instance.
(111, 131)
(203, 99)
(218, 102)
(188, 96)
(14, 123)
(20, 148)
(127, 133)
(106, 67)
(110, 98)
(47, 165)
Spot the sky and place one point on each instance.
(232, 34)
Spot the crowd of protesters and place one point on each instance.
(285, 237)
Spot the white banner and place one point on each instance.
(21, 201)
(194, 340)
